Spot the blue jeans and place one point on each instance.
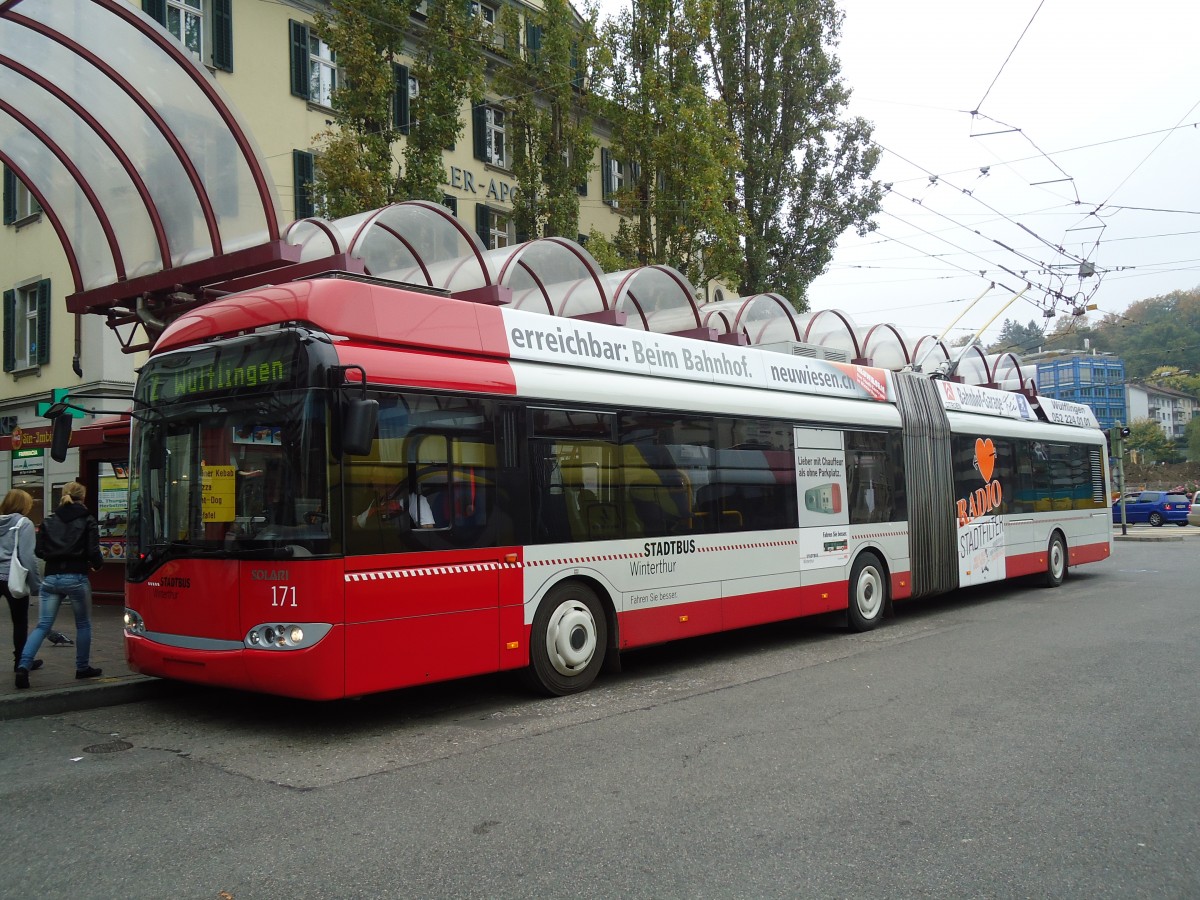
(56, 589)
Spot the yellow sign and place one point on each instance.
(218, 493)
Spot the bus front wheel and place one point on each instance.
(868, 593)
(1056, 561)
(567, 641)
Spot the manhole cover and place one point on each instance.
(109, 747)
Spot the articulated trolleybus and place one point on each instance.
(340, 487)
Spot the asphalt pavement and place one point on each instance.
(54, 689)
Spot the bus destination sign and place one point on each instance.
(219, 370)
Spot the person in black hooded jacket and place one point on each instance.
(69, 542)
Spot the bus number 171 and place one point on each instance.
(281, 594)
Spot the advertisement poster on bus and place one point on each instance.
(821, 491)
(980, 529)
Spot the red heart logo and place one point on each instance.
(985, 457)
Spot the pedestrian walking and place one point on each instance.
(69, 542)
(16, 536)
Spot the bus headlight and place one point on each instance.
(133, 622)
(285, 635)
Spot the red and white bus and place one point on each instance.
(536, 493)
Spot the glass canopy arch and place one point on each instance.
(136, 157)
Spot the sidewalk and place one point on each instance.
(54, 688)
(1163, 533)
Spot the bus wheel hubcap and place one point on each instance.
(571, 638)
(869, 593)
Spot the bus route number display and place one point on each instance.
(218, 493)
(208, 372)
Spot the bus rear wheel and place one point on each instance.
(567, 641)
(1056, 561)
(868, 593)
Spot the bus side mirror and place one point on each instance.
(60, 438)
(360, 418)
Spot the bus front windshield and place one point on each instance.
(241, 477)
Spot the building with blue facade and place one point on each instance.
(1096, 380)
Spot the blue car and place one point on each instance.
(1155, 507)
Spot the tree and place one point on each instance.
(356, 164)
(549, 124)
(355, 168)
(1193, 439)
(1150, 441)
(806, 169)
(1017, 338)
(1155, 331)
(448, 67)
(678, 160)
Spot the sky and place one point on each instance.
(1106, 94)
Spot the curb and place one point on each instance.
(127, 689)
(1149, 538)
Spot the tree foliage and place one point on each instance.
(678, 202)
(549, 124)
(1153, 336)
(355, 168)
(1017, 338)
(806, 168)
(1149, 440)
(449, 68)
(1193, 439)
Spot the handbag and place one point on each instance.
(18, 575)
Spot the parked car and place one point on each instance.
(1194, 515)
(1155, 507)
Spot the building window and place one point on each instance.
(485, 12)
(303, 179)
(451, 203)
(204, 27)
(27, 326)
(19, 202)
(405, 89)
(612, 177)
(490, 135)
(185, 20)
(314, 69)
(493, 227)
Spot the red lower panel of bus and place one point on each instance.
(1035, 563)
(393, 653)
(668, 623)
(1086, 553)
(312, 674)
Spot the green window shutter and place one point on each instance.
(479, 118)
(483, 224)
(222, 30)
(43, 322)
(533, 41)
(157, 10)
(10, 196)
(10, 312)
(576, 68)
(299, 36)
(606, 183)
(400, 98)
(302, 180)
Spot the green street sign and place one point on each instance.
(60, 395)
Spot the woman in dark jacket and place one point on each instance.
(69, 542)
